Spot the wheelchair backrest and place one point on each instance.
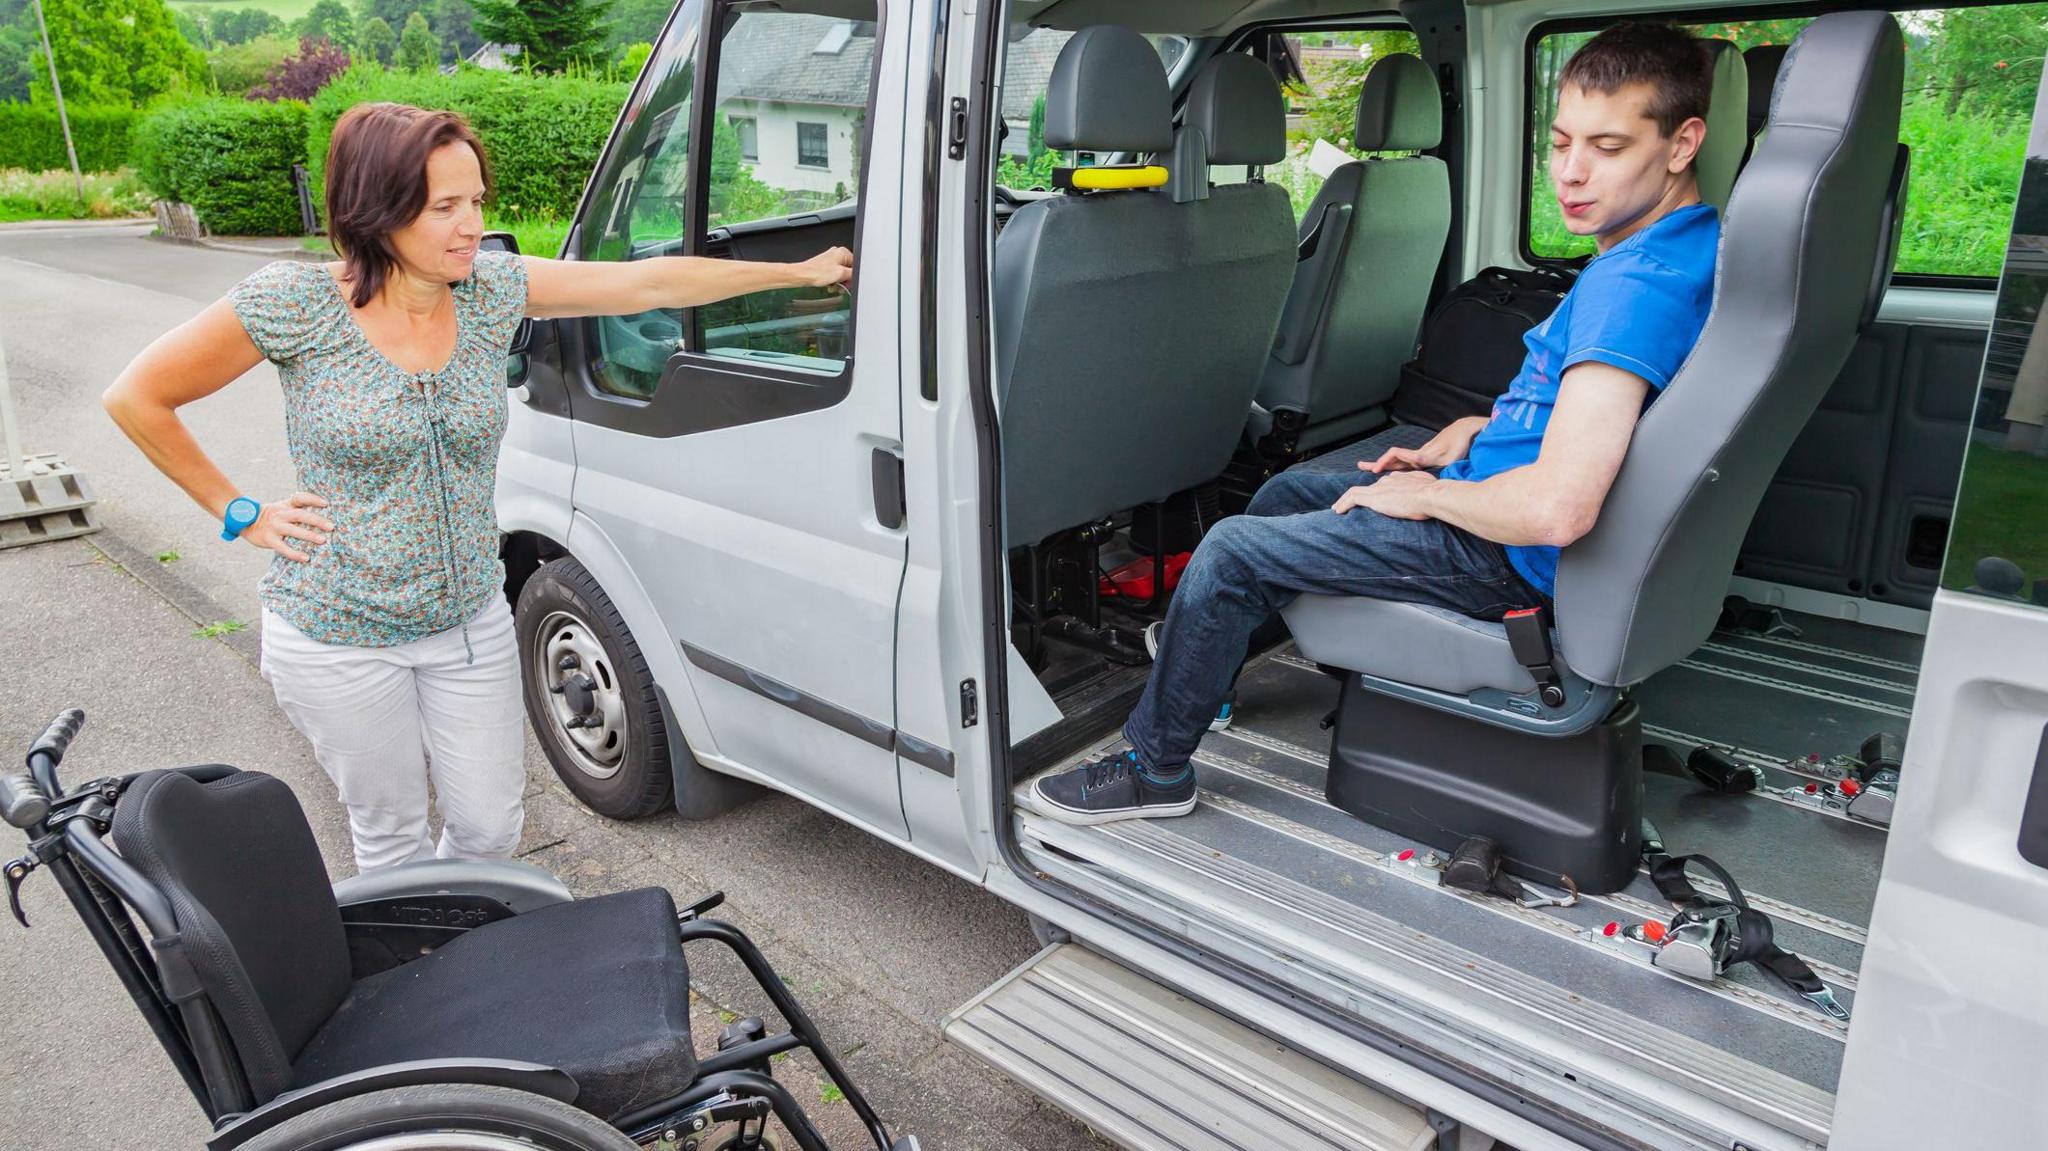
(258, 929)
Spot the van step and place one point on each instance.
(1151, 1070)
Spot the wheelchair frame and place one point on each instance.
(65, 833)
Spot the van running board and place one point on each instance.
(1151, 1070)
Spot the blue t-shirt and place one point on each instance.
(1639, 306)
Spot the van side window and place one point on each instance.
(1971, 75)
(637, 211)
(789, 139)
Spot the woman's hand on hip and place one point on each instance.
(829, 268)
(291, 518)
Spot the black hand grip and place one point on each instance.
(58, 735)
(22, 803)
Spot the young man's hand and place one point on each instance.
(1400, 495)
(1446, 447)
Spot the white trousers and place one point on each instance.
(380, 719)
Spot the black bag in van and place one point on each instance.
(1472, 343)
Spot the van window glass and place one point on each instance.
(1998, 545)
(1324, 72)
(789, 136)
(636, 210)
(1971, 75)
(1026, 163)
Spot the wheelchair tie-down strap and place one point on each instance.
(1752, 940)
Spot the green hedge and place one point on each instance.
(31, 137)
(541, 135)
(230, 159)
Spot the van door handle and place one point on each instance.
(890, 502)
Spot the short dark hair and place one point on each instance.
(1677, 66)
(377, 183)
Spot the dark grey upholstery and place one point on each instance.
(1368, 250)
(1130, 328)
(1399, 107)
(1235, 103)
(1805, 228)
(256, 917)
(1108, 93)
(1727, 143)
(596, 988)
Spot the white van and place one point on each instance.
(893, 551)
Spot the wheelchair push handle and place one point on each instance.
(22, 802)
(58, 736)
(25, 794)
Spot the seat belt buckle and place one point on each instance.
(1825, 1000)
(1529, 640)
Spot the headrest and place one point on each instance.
(1727, 141)
(1399, 108)
(1762, 62)
(1108, 94)
(1837, 67)
(1235, 103)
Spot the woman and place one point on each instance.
(386, 635)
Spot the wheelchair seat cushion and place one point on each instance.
(596, 988)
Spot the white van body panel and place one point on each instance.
(536, 473)
(1952, 1007)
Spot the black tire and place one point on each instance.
(490, 1113)
(652, 768)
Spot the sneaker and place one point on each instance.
(1224, 713)
(1108, 788)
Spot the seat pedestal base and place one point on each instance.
(1571, 806)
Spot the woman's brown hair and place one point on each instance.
(377, 183)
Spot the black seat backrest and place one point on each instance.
(1129, 328)
(257, 922)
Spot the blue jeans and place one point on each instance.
(1289, 542)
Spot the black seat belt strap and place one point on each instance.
(1750, 936)
(1529, 640)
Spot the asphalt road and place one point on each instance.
(878, 945)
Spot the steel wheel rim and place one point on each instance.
(598, 751)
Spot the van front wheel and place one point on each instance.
(589, 694)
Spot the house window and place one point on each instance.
(812, 151)
(750, 138)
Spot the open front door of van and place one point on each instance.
(739, 472)
(1949, 1046)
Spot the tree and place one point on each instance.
(328, 20)
(634, 22)
(1988, 59)
(417, 48)
(454, 23)
(241, 26)
(114, 52)
(375, 39)
(239, 68)
(736, 194)
(17, 54)
(192, 30)
(392, 12)
(302, 76)
(548, 33)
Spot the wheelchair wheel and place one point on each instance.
(444, 1117)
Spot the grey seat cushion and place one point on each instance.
(1423, 646)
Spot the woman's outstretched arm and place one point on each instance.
(558, 288)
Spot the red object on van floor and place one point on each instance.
(1134, 579)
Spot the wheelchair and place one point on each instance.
(440, 1004)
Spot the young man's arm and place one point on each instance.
(1553, 501)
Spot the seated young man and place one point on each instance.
(1472, 520)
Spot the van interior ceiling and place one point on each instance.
(1760, 725)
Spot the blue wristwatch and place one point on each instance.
(242, 511)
